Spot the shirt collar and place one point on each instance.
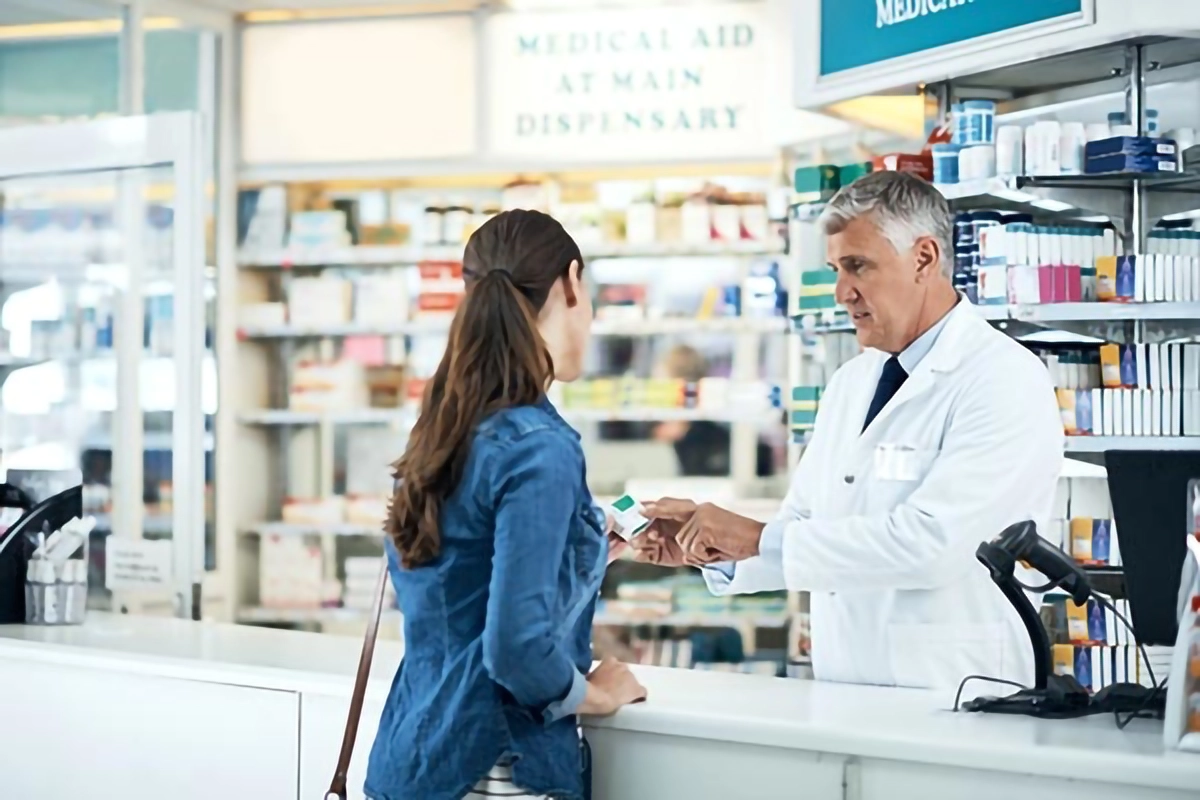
(548, 408)
(911, 356)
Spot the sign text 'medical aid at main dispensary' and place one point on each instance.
(600, 85)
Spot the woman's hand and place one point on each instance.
(610, 686)
(616, 545)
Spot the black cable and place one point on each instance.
(1154, 691)
(1036, 589)
(969, 678)
(1155, 688)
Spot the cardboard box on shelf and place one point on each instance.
(313, 302)
(641, 223)
(368, 510)
(314, 511)
(919, 164)
(262, 315)
(290, 573)
(386, 387)
(327, 386)
(381, 300)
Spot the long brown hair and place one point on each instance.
(495, 359)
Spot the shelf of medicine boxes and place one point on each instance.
(1068, 196)
(1073, 196)
(406, 416)
(663, 326)
(388, 256)
(831, 321)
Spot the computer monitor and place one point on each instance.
(1150, 508)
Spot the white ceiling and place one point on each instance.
(30, 12)
(260, 5)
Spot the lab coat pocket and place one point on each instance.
(940, 656)
(896, 473)
(902, 463)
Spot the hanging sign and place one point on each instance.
(646, 84)
(858, 33)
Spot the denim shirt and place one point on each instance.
(498, 627)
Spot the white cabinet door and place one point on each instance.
(70, 733)
(322, 724)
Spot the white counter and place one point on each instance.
(153, 708)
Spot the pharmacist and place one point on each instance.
(939, 435)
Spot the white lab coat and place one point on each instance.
(887, 544)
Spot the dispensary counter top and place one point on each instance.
(857, 737)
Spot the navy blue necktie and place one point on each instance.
(890, 381)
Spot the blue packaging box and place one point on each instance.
(1126, 271)
(1102, 540)
(1123, 162)
(1131, 146)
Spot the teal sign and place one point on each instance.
(857, 33)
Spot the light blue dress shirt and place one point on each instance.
(771, 542)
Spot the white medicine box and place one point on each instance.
(313, 302)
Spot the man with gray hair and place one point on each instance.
(939, 435)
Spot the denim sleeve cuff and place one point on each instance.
(570, 704)
(770, 544)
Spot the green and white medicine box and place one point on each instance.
(628, 520)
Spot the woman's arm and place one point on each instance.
(522, 647)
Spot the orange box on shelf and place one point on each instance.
(439, 302)
(440, 270)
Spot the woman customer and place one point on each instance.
(496, 548)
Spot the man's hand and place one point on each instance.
(712, 534)
(658, 543)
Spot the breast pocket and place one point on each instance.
(897, 470)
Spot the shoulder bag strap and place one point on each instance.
(337, 787)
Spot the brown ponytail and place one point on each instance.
(495, 359)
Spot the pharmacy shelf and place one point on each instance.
(10, 362)
(730, 415)
(441, 327)
(1101, 444)
(360, 416)
(276, 528)
(1103, 312)
(152, 524)
(1074, 196)
(151, 440)
(254, 615)
(352, 256)
(419, 327)
(1045, 313)
(670, 325)
(714, 249)
(380, 416)
(385, 256)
